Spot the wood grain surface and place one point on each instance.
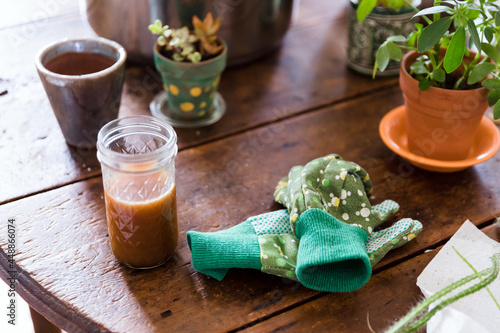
(293, 105)
(62, 233)
(33, 15)
(36, 157)
(308, 71)
(329, 313)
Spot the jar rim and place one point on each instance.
(143, 125)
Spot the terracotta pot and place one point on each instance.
(441, 123)
(191, 87)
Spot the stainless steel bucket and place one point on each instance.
(251, 28)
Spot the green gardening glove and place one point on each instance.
(264, 242)
(328, 204)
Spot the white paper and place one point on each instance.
(473, 313)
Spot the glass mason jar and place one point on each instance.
(137, 160)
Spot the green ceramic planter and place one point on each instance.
(191, 87)
(365, 37)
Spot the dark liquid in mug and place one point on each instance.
(78, 63)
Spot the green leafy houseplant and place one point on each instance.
(454, 28)
(182, 45)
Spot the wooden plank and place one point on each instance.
(308, 71)
(32, 147)
(386, 298)
(62, 233)
(32, 14)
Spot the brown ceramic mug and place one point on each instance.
(83, 79)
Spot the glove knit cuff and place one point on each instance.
(332, 255)
(214, 253)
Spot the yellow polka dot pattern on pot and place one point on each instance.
(195, 92)
(216, 81)
(174, 90)
(187, 106)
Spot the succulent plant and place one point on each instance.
(183, 45)
(205, 31)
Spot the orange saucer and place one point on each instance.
(392, 130)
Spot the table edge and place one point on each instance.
(46, 304)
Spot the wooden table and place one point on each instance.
(298, 103)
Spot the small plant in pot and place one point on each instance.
(190, 64)
(446, 86)
(370, 23)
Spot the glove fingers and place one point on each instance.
(281, 192)
(398, 232)
(295, 191)
(382, 241)
(383, 210)
(408, 235)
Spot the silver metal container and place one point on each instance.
(251, 28)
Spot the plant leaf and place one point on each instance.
(197, 23)
(455, 52)
(418, 67)
(382, 57)
(491, 84)
(161, 41)
(491, 52)
(493, 96)
(194, 57)
(473, 14)
(439, 75)
(496, 111)
(395, 4)
(497, 19)
(397, 38)
(412, 39)
(474, 35)
(488, 33)
(432, 10)
(177, 57)
(375, 67)
(394, 51)
(155, 27)
(480, 71)
(424, 84)
(451, 2)
(365, 7)
(433, 33)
